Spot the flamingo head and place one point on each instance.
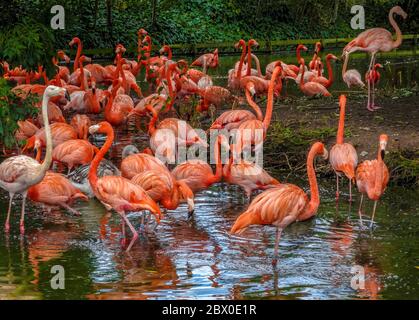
(142, 32)
(331, 56)
(320, 150)
(302, 47)
(164, 49)
(398, 10)
(318, 47)
(54, 91)
(62, 55)
(129, 150)
(253, 43)
(383, 144)
(378, 65)
(101, 127)
(73, 41)
(240, 44)
(186, 194)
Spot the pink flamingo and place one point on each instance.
(372, 177)
(284, 204)
(343, 156)
(19, 173)
(372, 77)
(311, 88)
(377, 40)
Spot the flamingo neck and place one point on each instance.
(270, 103)
(48, 137)
(254, 57)
(298, 54)
(98, 158)
(253, 104)
(170, 85)
(243, 55)
(78, 54)
(172, 202)
(152, 124)
(218, 164)
(396, 28)
(378, 186)
(345, 65)
(108, 107)
(302, 76)
(314, 203)
(249, 60)
(82, 79)
(341, 126)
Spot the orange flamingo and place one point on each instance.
(284, 204)
(372, 77)
(314, 62)
(138, 163)
(74, 152)
(56, 190)
(81, 123)
(311, 88)
(79, 44)
(116, 192)
(251, 43)
(377, 40)
(118, 106)
(343, 156)
(207, 60)
(26, 130)
(162, 187)
(248, 131)
(234, 75)
(18, 173)
(322, 80)
(198, 174)
(60, 132)
(232, 119)
(372, 177)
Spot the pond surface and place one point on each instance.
(198, 259)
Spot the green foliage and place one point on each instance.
(27, 43)
(12, 109)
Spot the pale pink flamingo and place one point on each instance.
(311, 88)
(18, 173)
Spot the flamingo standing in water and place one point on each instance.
(197, 174)
(116, 192)
(19, 173)
(284, 204)
(74, 152)
(56, 190)
(343, 156)
(207, 60)
(372, 177)
(377, 40)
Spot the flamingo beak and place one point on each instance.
(325, 154)
(67, 95)
(191, 207)
(93, 129)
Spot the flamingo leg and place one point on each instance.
(123, 240)
(7, 225)
(350, 190)
(360, 208)
(73, 211)
(373, 213)
(134, 232)
(337, 187)
(22, 216)
(277, 238)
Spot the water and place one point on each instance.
(198, 259)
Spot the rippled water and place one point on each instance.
(197, 258)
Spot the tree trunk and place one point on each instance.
(153, 14)
(109, 17)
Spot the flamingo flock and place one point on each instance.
(147, 180)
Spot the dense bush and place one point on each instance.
(103, 23)
(12, 109)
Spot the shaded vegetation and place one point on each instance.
(12, 109)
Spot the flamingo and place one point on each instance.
(234, 75)
(351, 77)
(247, 132)
(116, 192)
(79, 44)
(162, 187)
(314, 62)
(377, 40)
(284, 204)
(198, 174)
(251, 43)
(213, 95)
(207, 60)
(60, 132)
(372, 77)
(137, 163)
(232, 119)
(26, 130)
(54, 114)
(343, 156)
(81, 75)
(322, 80)
(81, 123)
(311, 88)
(74, 152)
(118, 106)
(372, 177)
(56, 190)
(63, 72)
(18, 173)
(79, 176)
